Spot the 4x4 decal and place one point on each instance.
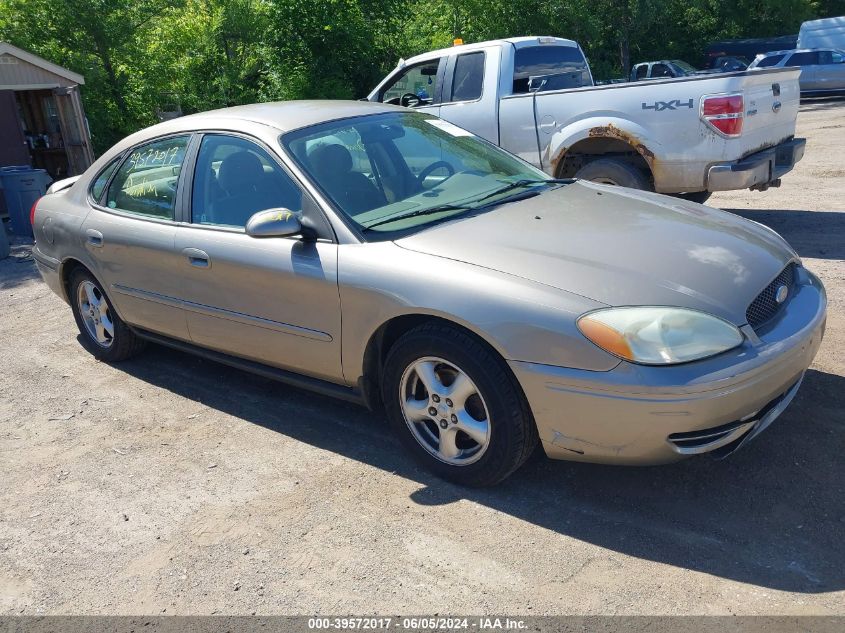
(659, 106)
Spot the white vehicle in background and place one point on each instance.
(535, 97)
(824, 33)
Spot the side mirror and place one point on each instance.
(274, 223)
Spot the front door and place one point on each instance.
(273, 300)
(130, 235)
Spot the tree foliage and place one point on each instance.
(142, 56)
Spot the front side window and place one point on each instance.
(468, 78)
(99, 184)
(145, 183)
(772, 60)
(642, 72)
(419, 170)
(236, 178)
(551, 67)
(413, 87)
(810, 58)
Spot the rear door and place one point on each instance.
(830, 73)
(273, 300)
(130, 234)
(470, 92)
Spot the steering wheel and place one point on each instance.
(407, 98)
(438, 164)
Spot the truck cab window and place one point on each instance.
(468, 79)
(556, 67)
(413, 87)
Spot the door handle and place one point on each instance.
(94, 238)
(197, 258)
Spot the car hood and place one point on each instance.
(619, 247)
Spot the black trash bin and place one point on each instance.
(22, 186)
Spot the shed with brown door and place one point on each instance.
(42, 122)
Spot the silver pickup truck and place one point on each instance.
(535, 97)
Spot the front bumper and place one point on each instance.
(634, 414)
(757, 170)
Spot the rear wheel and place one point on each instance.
(613, 171)
(103, 332)
(456, 406)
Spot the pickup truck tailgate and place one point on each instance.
(771, 107)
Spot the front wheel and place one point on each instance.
(456, 406)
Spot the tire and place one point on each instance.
(613, 171)
(696, 196)
(120, 343)
(496, 404)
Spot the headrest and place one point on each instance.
(239, 170)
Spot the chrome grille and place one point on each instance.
(765, 306)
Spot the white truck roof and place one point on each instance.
(517, 42)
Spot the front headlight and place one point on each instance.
(659, 336)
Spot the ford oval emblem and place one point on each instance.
(781, 293)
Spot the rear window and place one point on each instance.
(774, 60)
(549, 68)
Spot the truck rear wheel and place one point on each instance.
(613, 171)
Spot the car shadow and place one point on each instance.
(813, 234)
(771, 515)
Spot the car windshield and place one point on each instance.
(403, 171)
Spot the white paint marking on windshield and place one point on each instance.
(449, 128)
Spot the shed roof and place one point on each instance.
(34, 71)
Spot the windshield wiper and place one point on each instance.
(525, 182)
(518, 184)
(419, 212)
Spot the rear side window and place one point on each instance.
(642, 72)
(773, 60)
(102, 178)
(660, 70)
(809, 58)
(560, 67)
(145, 183)
(468, 78)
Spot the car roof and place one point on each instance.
(796, 50)
(284, 116)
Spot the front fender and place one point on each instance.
(519, 318)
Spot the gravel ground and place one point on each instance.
(170, 484)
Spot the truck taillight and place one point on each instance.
(724, 113)
(32, 213)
